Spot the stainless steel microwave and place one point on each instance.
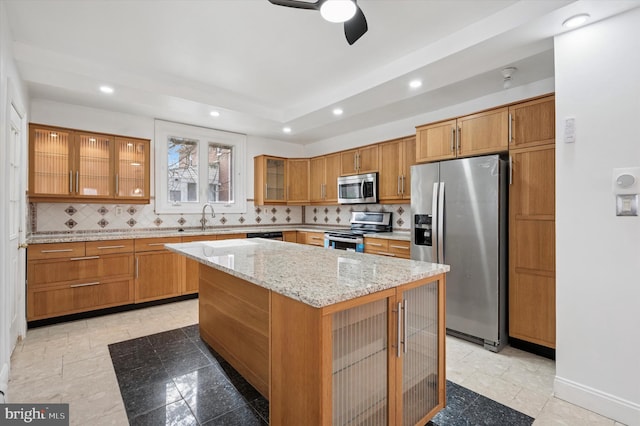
(358, 189)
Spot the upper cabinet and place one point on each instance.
(361, 160)
(396, 158)
(532, 123)
(298, 181)
(270, 180)
(72, 165)
(132, 165)
(324, 178)
(482, 133)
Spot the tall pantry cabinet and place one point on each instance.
(532, 304)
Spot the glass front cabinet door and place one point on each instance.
(132, 168)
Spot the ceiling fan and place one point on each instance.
(347, 11)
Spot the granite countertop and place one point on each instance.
(134, 234)
(316, 276)
(397, 235)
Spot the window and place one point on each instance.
(197, 165)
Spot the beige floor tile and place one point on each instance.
(536, 381)
(492, 387)
(528, 402)
(102, 404)
(87, 367)
(558, 412)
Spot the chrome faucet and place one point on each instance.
(203, 220)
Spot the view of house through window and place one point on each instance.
(183, 171)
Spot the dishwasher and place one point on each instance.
(275, 235)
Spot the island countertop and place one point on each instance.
(316, 276)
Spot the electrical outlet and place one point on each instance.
(118, 210)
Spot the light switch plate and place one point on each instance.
(627, 205)
(569, 130)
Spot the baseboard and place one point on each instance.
(605, 404)
(4, 382)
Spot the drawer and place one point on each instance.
(400, 248)
(154, 244)
(92, 268)
(94, 248)
(190, 238)
(315, 238)
(80, 297)
(230, 236)
(376, 245)
(55, 250)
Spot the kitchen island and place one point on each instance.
(327, 336)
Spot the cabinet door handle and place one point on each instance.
(85, 258)
(459, 137)
(56, 251)
(403, 179)
(406, 325)
(398, 186)
(117, 181)
(355, 161)
(85, 284)
(398, 343)
(510, 128)
(77, 181)
(109, 247)
(453, 136)
(400, 247)
(510, 170)
(137, 264)
(70, 181)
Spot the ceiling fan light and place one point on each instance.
(338, 10)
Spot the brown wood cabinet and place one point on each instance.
(68, 278)
(298, 181)
(191, 267)
(324, 179)
(311, 238)
(158, 272)
(387, 247)
(290, 236)
(476, 134)
(74, 165)
(360, 160)
(532, 303)
(396, 158)
(270, 180)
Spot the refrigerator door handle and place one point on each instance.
(434, 220)
(440, 223)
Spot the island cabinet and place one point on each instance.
(158, 272)
(75, 165)
(324, 179)
(396, 159)
(482, 133)
(361, 160)
(68, 278)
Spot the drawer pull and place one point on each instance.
(109, 247)
(84, 285)
(85, 258)
(374, 244)
(56, 251)
(316, 238)
(400, 247)
(156, 244)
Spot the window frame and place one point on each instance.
(204, 135)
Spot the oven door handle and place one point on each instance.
(345, 240)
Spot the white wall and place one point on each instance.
(8, 75)
(598, 254)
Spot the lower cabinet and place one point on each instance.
(158, 272)
(311, 238)
(290, 236)
(386, 247)
(378, 359)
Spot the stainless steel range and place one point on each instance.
(361, 223)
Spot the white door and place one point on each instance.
(16, 164)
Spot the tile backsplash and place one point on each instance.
(69, 218)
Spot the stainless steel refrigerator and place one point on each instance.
(459, 217)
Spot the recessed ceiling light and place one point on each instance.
(214, 114)
(576, 20)
(337, 111)
(414, 84)
(106, 89)
(286, 129)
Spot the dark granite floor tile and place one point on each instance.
(128, 346)
(261, 405)
(141, 376)
(191, 361)
(209, 402)
(134, 360)
(176, 349)
(241, 416)
(245, 388)
(192, 331)
(176, 414)
(165, 337)
(208, 351)
(149, 396)
(485, 411)
(200, 380)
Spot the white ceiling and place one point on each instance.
(264, 67)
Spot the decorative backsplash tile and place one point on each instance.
(59, 217)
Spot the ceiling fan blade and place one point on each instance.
(298, 4)
(355, 27)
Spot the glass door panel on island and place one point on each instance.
(93, 165)
(132, 163)
(51, 168)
